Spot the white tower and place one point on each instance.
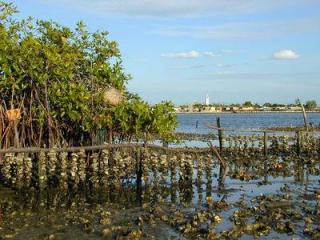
(207, 100)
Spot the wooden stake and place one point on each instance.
(298, 143)
(265, 144)
(220, 134)
(223, 166)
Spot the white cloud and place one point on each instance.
(209, 54)
(191, 54)
(243, 29)
(229, 51)
(178, 7)
(220, 65)
(215, 31)
(285, 54)
(188, 66)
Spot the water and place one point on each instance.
(187, 121)
(251, 188)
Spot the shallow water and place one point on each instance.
(162, 208)
(187, 122)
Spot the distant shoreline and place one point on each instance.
(245, 112)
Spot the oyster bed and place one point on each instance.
(274, 199)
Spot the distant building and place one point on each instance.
(280, 108)
(247, 109)
(218, 109)
(295, 108)
(209, 109)
(177, 109)
(207, 100)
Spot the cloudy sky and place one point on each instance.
(181, 50)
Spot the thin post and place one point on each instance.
(16, 134)
(304, 116)
(298, 143)
(110, 137)
(265, 165)
(298, 102)
(138, 166)
(223, 166)
(165, 143)
(220, 134)
(265, 137)
(139, 175)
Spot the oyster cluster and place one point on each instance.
(152, 165)
(176, 196)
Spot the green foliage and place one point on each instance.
(200, 107)
(247, 104)
(57, 76)
(164, 121)
(267, 104)
(310, 105)
(136, 118)
(256, 105)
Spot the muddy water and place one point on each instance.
(277, 200)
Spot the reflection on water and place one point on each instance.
(278, 198)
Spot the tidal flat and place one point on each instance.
(277, 200)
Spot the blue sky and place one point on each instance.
(179, 50)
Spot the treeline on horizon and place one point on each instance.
(308, 105)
